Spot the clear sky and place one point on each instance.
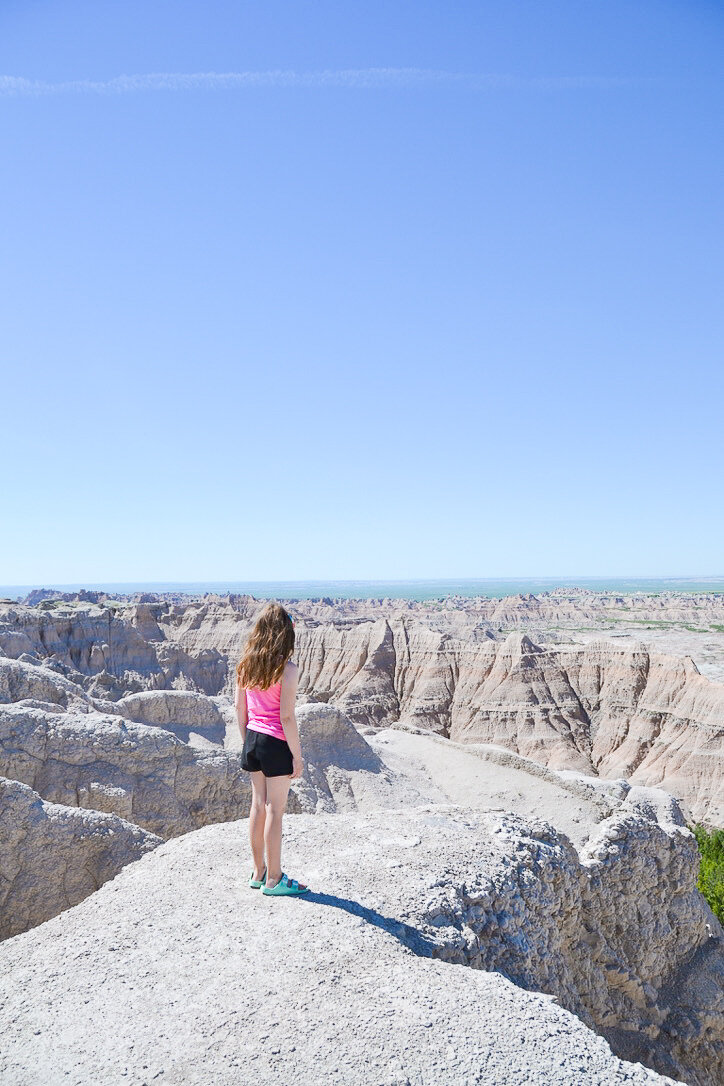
(387, 289)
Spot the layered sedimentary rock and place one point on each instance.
(30, 681)
(609, 708)
(611, 927)
(616, 943)
(559, 607)
(121, 650)
(104, 763)
(606, 709)
(52, 856)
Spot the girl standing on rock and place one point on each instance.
(266, 687)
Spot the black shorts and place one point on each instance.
(266, 754)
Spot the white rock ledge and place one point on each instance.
(176, 972)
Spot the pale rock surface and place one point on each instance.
(52, 857)
(185, 713)
(232, 736)
(105, 763)
(607, 710)
(22, 681)
(611, 708)
(493, 778)
(198, 979)
(615, 931)
(117, 650)
(342, 772)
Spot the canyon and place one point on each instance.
(606, 706)
(493, 815)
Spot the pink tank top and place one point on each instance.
(263, 710)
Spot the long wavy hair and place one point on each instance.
(268, 647)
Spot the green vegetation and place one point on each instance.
(711, 870)
(650, 623)
(717, 627)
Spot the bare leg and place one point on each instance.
(257, 819)
(277, 790)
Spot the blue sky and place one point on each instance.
(415, 290)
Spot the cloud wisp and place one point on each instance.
(353, 78)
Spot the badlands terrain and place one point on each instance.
(493, 820)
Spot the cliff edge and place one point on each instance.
(440, 945)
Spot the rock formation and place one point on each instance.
(492, 873)
(606, 709)
(104, 763)
(372, 966)
(52, 857)
(342, 771)
(611, 708)
(190, 716)
(560, 608)
(31, 682)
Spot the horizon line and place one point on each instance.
(380, 580)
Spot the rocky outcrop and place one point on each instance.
(555, 608)
(610, 927)
(188, 715)
(104, 763)
(614, 933)
(342, 772)
(112, 651)
(114, 763)
(52, 857)
(371, 964)
(330, 738)
(608, 708)
(22, 681)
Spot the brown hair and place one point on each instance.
(268, 647)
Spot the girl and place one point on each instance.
(266, 686)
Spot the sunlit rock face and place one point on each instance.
(613, 708)
(486, 938)
(469, 799)
(74, 753)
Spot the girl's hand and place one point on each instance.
(298, 766)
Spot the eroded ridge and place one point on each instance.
(183, 963)
(598, 706)
(612, 933)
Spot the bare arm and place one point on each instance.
(242, 713)
(289, 721)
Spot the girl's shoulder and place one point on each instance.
(291, 671)
(288, 684)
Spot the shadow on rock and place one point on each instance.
(410, 937)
